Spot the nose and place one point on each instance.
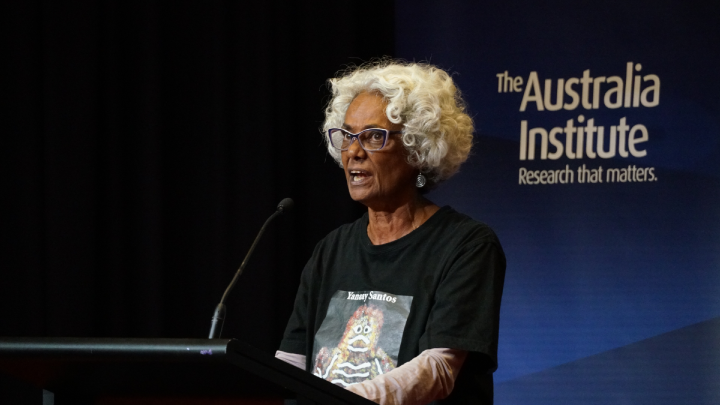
(355, 151)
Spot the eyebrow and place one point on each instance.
(346, 126)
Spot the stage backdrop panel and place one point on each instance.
(597, 162)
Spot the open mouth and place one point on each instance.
(359, 337)
(355, 346)
(358, 175)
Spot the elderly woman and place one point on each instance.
(401, 306)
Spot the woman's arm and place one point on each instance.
(297, 360)
(427, 377)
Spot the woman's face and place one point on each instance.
(381, 179)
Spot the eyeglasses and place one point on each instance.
(371, 139)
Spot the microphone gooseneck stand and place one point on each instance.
(218, 318)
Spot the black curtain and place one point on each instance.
(146, 142)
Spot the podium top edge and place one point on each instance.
(110, 347)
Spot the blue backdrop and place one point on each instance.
(613, 285)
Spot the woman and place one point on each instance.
(401, 306)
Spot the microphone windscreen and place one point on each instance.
(286, 205)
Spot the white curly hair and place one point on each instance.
(437, 131)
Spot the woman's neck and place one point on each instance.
(391, 224)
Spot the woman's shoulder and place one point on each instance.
(461, 226)
(346, 233)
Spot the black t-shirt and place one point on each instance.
(362, 310)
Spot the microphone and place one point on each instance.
(286, 205)
(218, 318)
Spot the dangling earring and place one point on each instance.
(420, 181)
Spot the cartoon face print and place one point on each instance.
(363, 330)
(357, 357)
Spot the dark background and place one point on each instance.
(145, 143)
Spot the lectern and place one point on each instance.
(83, 371)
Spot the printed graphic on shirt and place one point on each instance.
(360, 336)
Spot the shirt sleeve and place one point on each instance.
(297, 360)
(427, 377)
(466, 311)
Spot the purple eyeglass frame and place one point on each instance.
(356, 137)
